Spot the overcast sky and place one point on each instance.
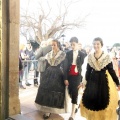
(103, 19)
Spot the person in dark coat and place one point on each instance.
(81, 49)
(41, 53)
(21, 73)
(37, 63)
(51, 93)
(75, 59)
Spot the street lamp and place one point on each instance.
(63, 37)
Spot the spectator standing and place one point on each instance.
(29, 55)
(81, 49)
(113, 54)
(21, 74)
(36, 73)
(21, 65)
(67, 47)
(42, 51)
(119, 63)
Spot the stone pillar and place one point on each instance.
(0, 59)
(5, 62)
(14, 19)
(9, 58)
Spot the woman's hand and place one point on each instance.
(118, 87)
(81, 85)
(46, 56)
(66, 82)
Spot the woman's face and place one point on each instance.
(54, 46)
(97, 45)
(28, 45)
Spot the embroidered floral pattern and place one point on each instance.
(100, 63)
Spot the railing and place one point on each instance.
(29, 68)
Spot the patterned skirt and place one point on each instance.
(51, 92)
(108, 113)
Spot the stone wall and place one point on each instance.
(14, 19)
(5, 62)
(10, 57)
(0, 59)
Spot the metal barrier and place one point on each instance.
(29, 70)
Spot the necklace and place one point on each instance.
(53, 57)
(97, 58)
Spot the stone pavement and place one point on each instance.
(29, 111)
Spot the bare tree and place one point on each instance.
(44, 26)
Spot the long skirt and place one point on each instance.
(108, 113)
(51, 93)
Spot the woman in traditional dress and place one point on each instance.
(100, 97)
(51, 92)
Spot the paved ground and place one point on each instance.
(28, 109)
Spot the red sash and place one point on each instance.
(72, 70)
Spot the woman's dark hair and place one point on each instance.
(74, 39)
(98, 39)
(58, 44)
